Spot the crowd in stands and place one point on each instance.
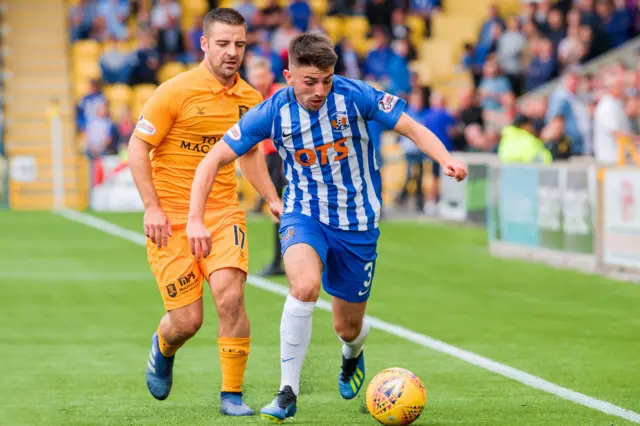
(512, 55)
(546, 40)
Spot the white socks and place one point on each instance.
(353, 348)
(295, 335)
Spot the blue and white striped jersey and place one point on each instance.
(328, 156)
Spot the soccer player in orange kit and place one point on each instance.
(179, 124)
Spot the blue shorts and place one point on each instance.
(349, 257)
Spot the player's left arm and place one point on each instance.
(429, 143)
(388, 110)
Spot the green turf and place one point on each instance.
(80, 307)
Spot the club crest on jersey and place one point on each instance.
(287, 234)
(387, 102)
(340, 121)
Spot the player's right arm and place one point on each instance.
(253, 127)
(153, 125)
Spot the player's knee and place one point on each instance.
(346, 330)
(305, 290)
(230, 303)
(187, 325)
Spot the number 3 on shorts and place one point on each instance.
(368, 268)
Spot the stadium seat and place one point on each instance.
(195, 6)
(80, 88)
(136, 109)
(319, 7)
(456, 28)
(417, 28)
(334, 26)
(86, 69)
(362, 45)
(142, 92)
(170, 70)
(358, 26)
(118, 94)
(117, 109)
(86, 49)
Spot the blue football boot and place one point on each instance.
(351, 378)
(159, 371)
(231, 404)
(283, 406)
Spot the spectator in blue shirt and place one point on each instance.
(88, 106)
(542, 67)
(115, 14)
(616, 23)
(378, 58)
(414, 158)
(397, 70)
(567, 115)
(443, 125)
(263, 49)
(115, 63)
(82, 17)
(300, 13)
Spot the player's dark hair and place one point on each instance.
(312, 50)
(224, 15)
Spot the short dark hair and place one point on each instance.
(224, 15)
(312, 50)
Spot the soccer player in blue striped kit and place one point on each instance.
(329, 225)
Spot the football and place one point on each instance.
(396, 396)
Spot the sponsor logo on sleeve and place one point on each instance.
(145, 127)
(387, 102)
(234, 132)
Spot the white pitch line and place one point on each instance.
(398, 331)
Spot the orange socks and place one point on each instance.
(167, 349)
(234, 352)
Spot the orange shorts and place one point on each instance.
(179, 275)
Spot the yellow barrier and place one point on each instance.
(627, 145)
